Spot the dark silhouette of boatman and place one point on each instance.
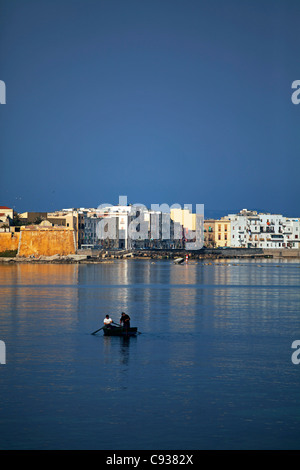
(125, 319)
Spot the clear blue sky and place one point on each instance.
(165, 101)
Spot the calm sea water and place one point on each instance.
(211, 368)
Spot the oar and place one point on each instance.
(97, 331)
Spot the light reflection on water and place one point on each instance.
(212, 368)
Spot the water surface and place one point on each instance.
(212, 368)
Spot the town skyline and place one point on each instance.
(214, 213)
(134, 226)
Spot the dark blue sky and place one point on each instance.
(165, 101)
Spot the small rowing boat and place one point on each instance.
(119, 331)
(178, 260)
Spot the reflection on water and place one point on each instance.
(38, 296)
(211, 369)
(119, 346)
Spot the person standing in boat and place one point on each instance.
(107, 321)
(125, 319)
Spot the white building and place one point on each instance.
(90, 231)
(130, 227)
(252, 230)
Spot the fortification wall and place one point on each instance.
(9, 241)
(46, 242)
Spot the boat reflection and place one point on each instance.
(116, 349)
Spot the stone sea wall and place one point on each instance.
(46, 243)
(35, 243)
(9, 241)
(59, 246)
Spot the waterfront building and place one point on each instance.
(108, 227)
(69, 218)
(250, 229)
(191, 226)
(217, 233)
(113, 225)
(6, 218)
(6, 212)
(184, 217)
(292, 228)
(164, 232)
(101, 231)
(32, 217)
(90, 231)
(131, 227)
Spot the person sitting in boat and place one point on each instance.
(125, 319)
(107, 321)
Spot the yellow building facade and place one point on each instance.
(216, 233)
(184, 217)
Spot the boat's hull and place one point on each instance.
(120, 331)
